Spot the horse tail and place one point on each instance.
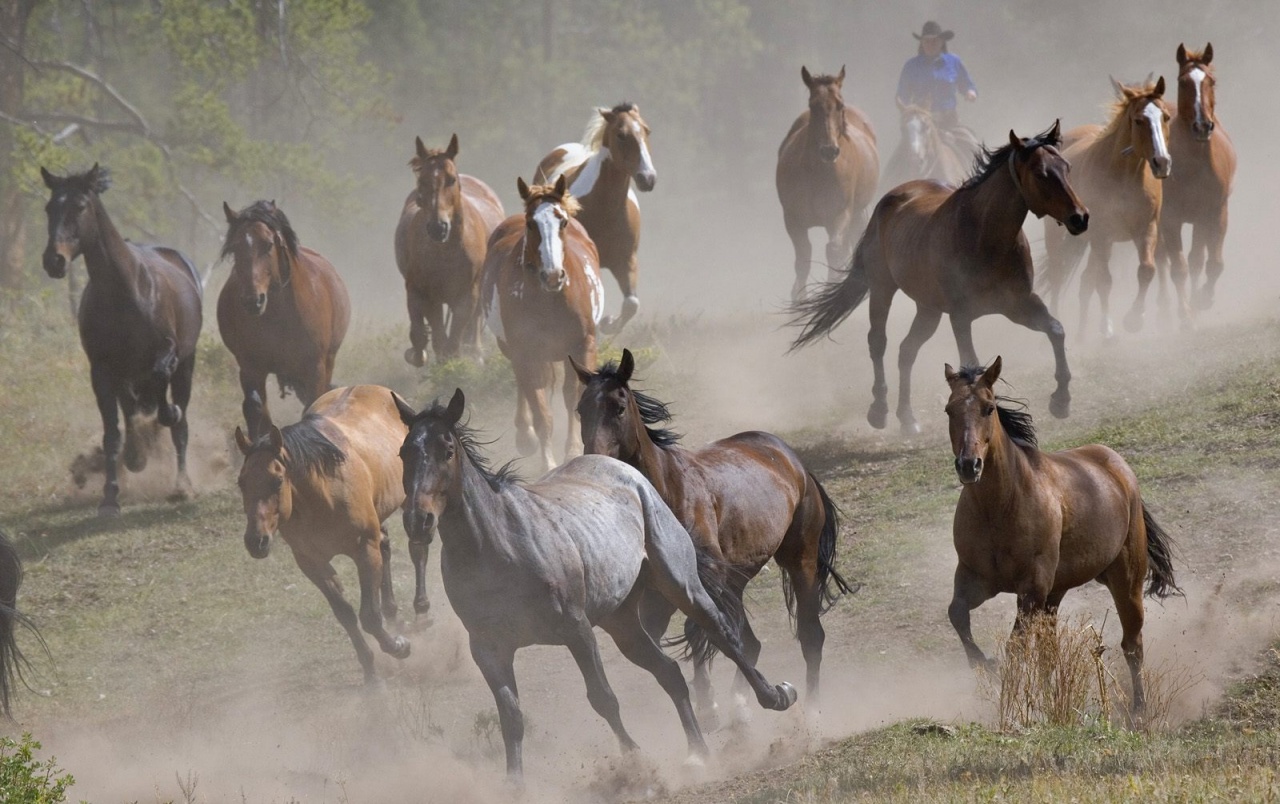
(827, 540)
(826, 309)
(715, 574)
(12, 661)
(1160, 581)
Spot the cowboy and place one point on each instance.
(934, 77)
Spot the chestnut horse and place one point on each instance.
(1197, 193)
(284, 310)
(613, 152)
(827, 173)
(440, 247)
(139, 318)
(544, 563)
(1038, 524)
(1119, 172)
(956, 251)
(326, 485)
(542, 301)
(925, 151)
(744, 499)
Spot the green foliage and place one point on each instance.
(27, 780)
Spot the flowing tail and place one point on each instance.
(1160, 581)
(826, 309)
(12, 662)
(715, 575)
(826, 575)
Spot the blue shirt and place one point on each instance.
(934, 82)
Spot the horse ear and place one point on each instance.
(1207, 56)
(456, 407)
(50, 180)
(949, 373)
(277, 440)
(992, 373)
(422, 149)
(1159, 90)
(627, 367)
(584, 374)
(608, 115)
(1014, 141)
(243, 442)
(1117, 86)
(522, 188)
(229, 212)
(1182, 53)
(407, 414)
(94, 175)
(840, 77)
(805, 77)
(452, 150)
(562, 186)
(1055, 133)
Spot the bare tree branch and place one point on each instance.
(94, 79)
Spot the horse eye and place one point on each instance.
(987, 410)
(277, 484)
(564, 222)
(449, 181)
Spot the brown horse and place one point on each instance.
(614, 151)
(925, 151)
(283, 311)
(1118, 172)
(542, 300)
(955, 251)
(1039, 524)
(139, 318)
(327, 484)
(744, 499)
(1197, 194)
(827, 172)
(440, 247)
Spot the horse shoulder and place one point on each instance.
(793, 133)
(484, 201)
(853, 117)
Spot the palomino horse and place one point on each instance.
(542, 300)
(1039, 524)
(1118, 172)
(283, 311)
(440, 247)
(925, 151)
(1197, 194)
(541, 564)
(139, 317)
(743, 499)
(614, 150)
(924, 238)
(827, 174)
(326, 485)
(12, 661)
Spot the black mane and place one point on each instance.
(1016, 421)
(652, 412)
(306, 448)
(987, 161)
(466, 436)
(268, 214)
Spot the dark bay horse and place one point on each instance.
(543, 563)
(1197, 193)
(744, 499)
(1038, 524)
(1119, 171)
(139, 318)
(326, 485)
(440, 248)
(284, 310)
(827, 173)
(542, 299)
(957, 251)
(614, 151)
(925, 151)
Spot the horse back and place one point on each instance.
(177, 309)
(363, 421)
(483, 202)
(322, 298)
(566, 160)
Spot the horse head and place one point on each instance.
(1040, 174)
(71, 215)
(431, 453)
(919, 132)
(1143, 110)
(265, 489)
(826, 113)
(1196, 96)
(607, 409)
(547, 210)
(439, 194)
(970, 411)
(263, 247)
(626, 136)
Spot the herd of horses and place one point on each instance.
(641, 527)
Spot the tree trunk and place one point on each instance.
(13, 233)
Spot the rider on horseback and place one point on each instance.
(934, 77)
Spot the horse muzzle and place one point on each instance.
(420, 526)
(645, 180)
(1077, 223)
(258, 545)
(1202, 131)
(969, 470)
(829, 153)
(1161, 166)
(256, 305)
(439, 230)
(553, 281)
(55, 264)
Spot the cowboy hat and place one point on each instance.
(932, 28)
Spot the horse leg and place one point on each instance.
(104, 393)
(970, 591)
(179, 432)
(497, 665)
(322, 574)
(922, 328)
(162, 371)
(1171, 248)
(962, 327)
(441, 343)
(416, 354)
(751, 647)
(537, 380)
(839, 249)
(253, 384)
(369, 568)
(628, 278)
(881, 297)
(1215, 234)
(135, 450)
(462, 326)
(1146, 243)
(799, 235)
(389, 607)
(1097, 277)
(581, 641)
(1031, 312)
(418, 552)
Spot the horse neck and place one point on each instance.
(468, 521)
(1114, 140)
(613, 182)
(998, 203)
(1003, 469)
(660, 465)
(108, 259)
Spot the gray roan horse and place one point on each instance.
(541, 564)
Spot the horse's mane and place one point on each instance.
(268, 214)
(1016, 421)
(1194, 58)
(1117, 106)
(547, 192)
(652, 412)
(824, 80)
(593, 136)
(466, 436)
(417, 162)
(80, 182)
(987, 161)
(306, 449)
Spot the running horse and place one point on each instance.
(925, 151)
(543, 300)
(827, 173)
(1119, 171)
(543, 563)
(139, 319)
(613, 152)
(284, 310)
(440, 248)
(326, 485)
(1039, 524)
(1197, 194)
(956, 251)
(743, 499)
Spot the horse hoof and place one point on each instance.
(1060, 406)
(1202, 301)
(415, 357)
(399, 648)
(1133, 321)
(709, 717)
(135, 460)
(878, 415)
(421, 607)
(910, 428)
(787, 696)
(169, 415)
(108, 510)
